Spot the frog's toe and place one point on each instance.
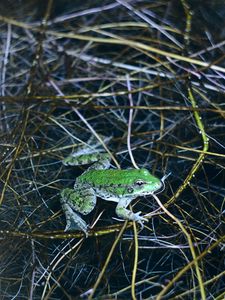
(139, 219)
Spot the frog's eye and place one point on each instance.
(139, 182)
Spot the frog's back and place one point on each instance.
(114, 176)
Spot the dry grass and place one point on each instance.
(148, 74)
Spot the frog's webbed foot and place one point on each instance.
(139, 219)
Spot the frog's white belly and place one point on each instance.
(106, 196)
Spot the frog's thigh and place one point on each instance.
(102, 162)
(77, 159)
(80, 199)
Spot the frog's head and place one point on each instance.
(144, 183)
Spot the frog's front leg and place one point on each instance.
(81, 199)
(126, 214)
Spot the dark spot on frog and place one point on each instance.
(130, 190)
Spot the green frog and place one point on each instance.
(120, 186)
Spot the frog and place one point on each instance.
(121, 186)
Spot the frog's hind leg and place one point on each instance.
(101, 162)
(82, 200)
(85, 154)
(78, 159)
(98, 160)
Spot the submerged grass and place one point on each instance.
(149, 76)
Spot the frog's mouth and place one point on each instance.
(158, 188)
